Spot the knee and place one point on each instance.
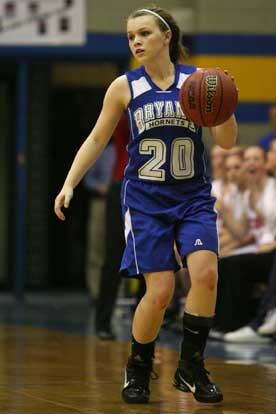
(208, 278)
(162, 299)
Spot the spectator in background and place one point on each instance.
(265, 141)
(239, 273)
(218, 173)
(217, 155)
(110, 278)
(259, 217)
(265, 320)
(271, 159)
(236, 312)
(96, 182)
(231, 198)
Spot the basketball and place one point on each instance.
(208, 97)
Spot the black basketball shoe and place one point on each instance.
(137, 378)
(193, 377)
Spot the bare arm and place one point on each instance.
(225, 135)
(115, 101)
(238, 228)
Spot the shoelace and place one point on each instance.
(200, 370)
(142, 375)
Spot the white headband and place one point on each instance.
(158, 16)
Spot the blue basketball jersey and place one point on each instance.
(165, 147)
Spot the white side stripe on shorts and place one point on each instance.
(129, 229)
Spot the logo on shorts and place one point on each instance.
(198, 242)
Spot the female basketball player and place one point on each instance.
(165, 197)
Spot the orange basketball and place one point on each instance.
(208, 97)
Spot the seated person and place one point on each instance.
(217, 155)
(265, 141)
(271, 159)
(230, 197)
(237, 274)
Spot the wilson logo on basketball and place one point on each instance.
(211, 87)
(208, 97)
(191, 95)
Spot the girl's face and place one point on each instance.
(254, 162)
(233, 167)
(217, 159)
(145, 38)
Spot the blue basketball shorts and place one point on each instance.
(156, 215)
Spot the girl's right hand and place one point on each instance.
(63, 200)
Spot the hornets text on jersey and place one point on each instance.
(165, 147)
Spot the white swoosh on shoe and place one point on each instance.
(126, 382)
(192, 388)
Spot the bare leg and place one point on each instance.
(146, 324)
(150, 311)
(201, 299)
(197, 321)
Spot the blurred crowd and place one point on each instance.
(244, 184)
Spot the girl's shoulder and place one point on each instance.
(118, 91)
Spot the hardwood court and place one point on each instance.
(58, 373)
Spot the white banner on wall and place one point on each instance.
(42, 22)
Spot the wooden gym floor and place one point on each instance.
(54, 372)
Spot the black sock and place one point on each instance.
(195, 333)
(142, 352)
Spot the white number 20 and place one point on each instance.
(182, 159)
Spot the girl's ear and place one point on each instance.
(168, 36)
